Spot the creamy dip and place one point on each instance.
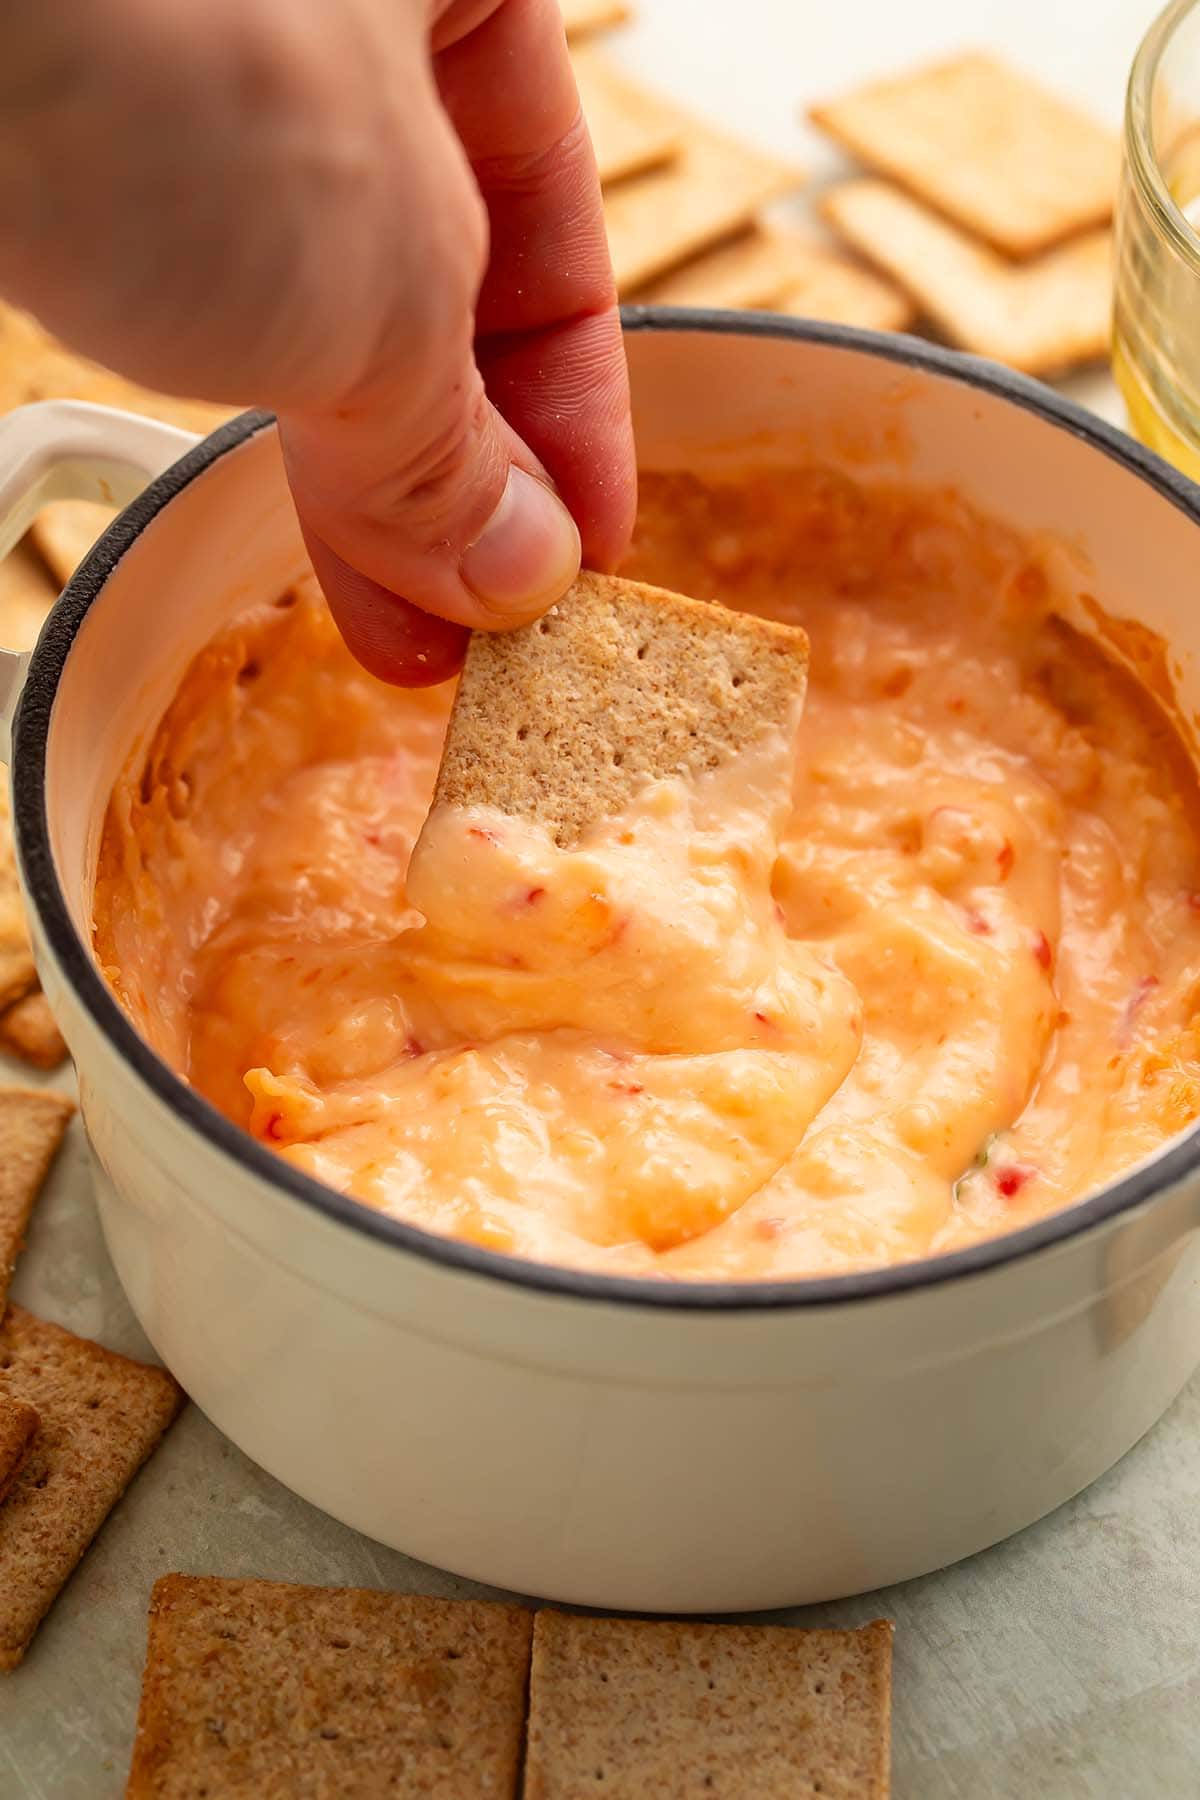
(920, 976)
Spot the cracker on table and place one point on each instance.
(565, 720)
(262, 1687)
(18, 1428)
(1043, 316)
(18, 973)
(100, 1416)
(26, 596)
(631, 129)
(629, 1707)
(775, 268)
(987, 146)
(35, 366)
(583, 16)
(28, 1030)
(32, 1123)
(64, 532)
(713, 188)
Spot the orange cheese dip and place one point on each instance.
(917, 977)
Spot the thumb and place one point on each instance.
(424, 513)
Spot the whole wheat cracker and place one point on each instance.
(584, 16)
(277, 1690)
(18, 1427)
(632, 1707)
(100, 1417)
(986, 145)
(64, 532)
(32, 1123)
(712, 189)
(565, 720)
(630, 129)
(26, 596)
(28, 1030)
(1042, 316)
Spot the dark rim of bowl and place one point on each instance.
(30, 733)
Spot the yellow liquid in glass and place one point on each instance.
(1147, 420)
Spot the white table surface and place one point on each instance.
(1064, 1664)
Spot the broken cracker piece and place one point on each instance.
(28, 1030)
(65, 531)
(583, 16)
(987, 146)
(18, 1427)
(565, 720)
(100, 1417)
(1042, 317)
(631, 129)
(32, 1123)
(632, 1707)
(263, 1687)
(713, 188)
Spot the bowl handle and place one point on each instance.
(70, 450)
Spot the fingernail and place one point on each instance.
(528, 552)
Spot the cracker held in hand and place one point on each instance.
(714, 187)
(1043, 316)
(18, 1428)
(629, 1708)
(565, 720)
(631, 130)
(265, 1688)
(32, 1123)
(987, 146)
(100, 1416)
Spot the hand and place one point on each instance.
(293, 205)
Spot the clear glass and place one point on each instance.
(1156, 302)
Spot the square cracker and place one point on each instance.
(32, 1122)
(630, 1707)
(565, 720)
(35, 366)
(18, 1427)
(28, 1030)
(1042, 316)
(100, 1417)
(713, 188)
(583, 16)
(631, 130)
(985, 145)
(271, 1689)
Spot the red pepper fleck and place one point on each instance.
(769, 1228)
(271, 1128)
(1042, 953)
(1012, 1178)
(477, 831)
(626, 1087)
(1005, 857)
(1133, 1006)
(957, 704)
(977, 923)
(1193, 901)
(307, 980)
(413, 1046)
(370, 837)
(780, 915)
(534, 895)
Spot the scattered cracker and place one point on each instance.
(28, 1030)
(18, 1427)
(619, 684)
(262, 1687)
(747, 271)
(26, 596)
(100, 1417)
(1043, 316)
(35, 366)
(18, 974)
(631, 130)
(630, 1707)
(583, 16)
(65, 531)
(986, 145)
(713, 188)
(32, 1123)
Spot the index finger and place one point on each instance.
(549, 337)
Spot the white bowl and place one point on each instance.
(619, 1442)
